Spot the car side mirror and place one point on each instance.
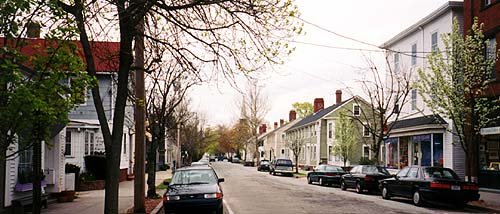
(220, 180)
(165, 183)
(396, 177)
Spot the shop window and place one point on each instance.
(403, 152)
(392, 153)
(438, 150)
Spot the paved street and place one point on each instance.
(248, 191)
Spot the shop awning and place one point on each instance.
(418, 121)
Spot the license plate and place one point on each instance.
(455, 187)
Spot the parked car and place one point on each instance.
(325, 175)
(263, 165)
(235, 160)
(427, 184)
(194, 190)
(199, 163)
(281, 166)
(211, 158)
(220, 158)
(248, 163)
(364, 177)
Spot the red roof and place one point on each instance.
(106, 54)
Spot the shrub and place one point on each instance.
(96, 165)
(71, 168)
(366, 161)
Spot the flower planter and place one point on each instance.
(66, 196)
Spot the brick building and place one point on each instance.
(488, 13)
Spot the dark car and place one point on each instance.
(426, 184)
(364, 177)
(325, 175)
(263, 165)
(220, 158)
(211, 158)
(281, 166)
(194, 190)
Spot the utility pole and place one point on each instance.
(140, 114)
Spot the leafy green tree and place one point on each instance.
(34, 98)
(346, 136)
(303, 109)
(455, 87)
(295, 142)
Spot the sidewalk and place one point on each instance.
(93, 201)
(490, 200)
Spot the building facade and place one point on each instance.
(488, 13)
(420, 137)
(274, 143)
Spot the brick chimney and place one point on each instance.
(319, 104)
(275, 125)
(338, 96)
(292, 115)
(33, 30)
(264, 128)
(282, 122)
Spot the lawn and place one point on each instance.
(163, 186)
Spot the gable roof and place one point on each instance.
(284, 127)
(418, 121)
(450, 5)
(105, 54)
(318, 115)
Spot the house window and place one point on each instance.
(366, 131)
(414, 54)
(91, 143)
(396, 62)
(330, 130)
(356, 111)
(396, 108)
(87, 143)
(491, 54)
(366, 151)
(413, 99)
(67, 145)
(282, 137)
(282, 151)
(24, 168)
(434, 41)
(124, 144)
(330, 154)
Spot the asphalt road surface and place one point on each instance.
(248, 191)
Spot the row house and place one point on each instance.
(317, 132)
(420, 137)
(488, 13)
(274, 144)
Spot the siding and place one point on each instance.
(11, 177)
(87, 111)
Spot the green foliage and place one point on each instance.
(345, 137)
(456, 83)
(303, 109)
(367, 161)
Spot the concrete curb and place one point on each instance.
(157, 208)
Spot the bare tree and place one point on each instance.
(295, 141)
(221, 35)
(255, 107)
(387, 92)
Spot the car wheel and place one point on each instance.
(309, 180)
(358, 188)
(460, 204)
(342, 185)
(321, 183)
(274, 173)
(385, 193)
(270, 172)
(417, 199)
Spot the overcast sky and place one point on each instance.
(314, 71)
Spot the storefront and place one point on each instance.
(489, 160)
(415, 150)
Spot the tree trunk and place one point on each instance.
(151, 169)
(37, 176)
(296, 163)
(3, 165)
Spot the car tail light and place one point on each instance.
(217, 195)
(437, 185)
(171, 198)
(330, 174)
(470, 187)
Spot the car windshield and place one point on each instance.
(264, 162)
(195, 176)
(333, 169)
(440, 173)
(374, 170)
(284, 162)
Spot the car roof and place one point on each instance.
(194, 167)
